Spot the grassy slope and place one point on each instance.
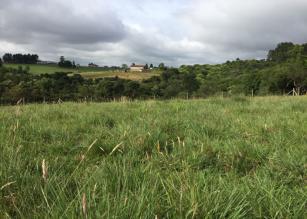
(236, 158)
(87, 72)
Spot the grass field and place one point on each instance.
(50, 69)
(215, 158)
(88, 72)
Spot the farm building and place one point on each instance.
(138, 68)
(92, 65)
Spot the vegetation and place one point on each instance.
(284, 70)
(233, 157)
(18, 84)
(217, 158)
(283, 73)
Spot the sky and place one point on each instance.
(175, 32)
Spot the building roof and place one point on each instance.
(92, 65)
(138, 66)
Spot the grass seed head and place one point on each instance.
(44, 170)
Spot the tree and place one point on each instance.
(146, 67)
(162, 66)
(281, 52)
(62, 59)
(190, 83)
(131, 89)
(66, 63)
(151, 66)
(8, 58)
(297, 75)
(0, 62)
(125, 67)
(20, 58)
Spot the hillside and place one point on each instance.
(219, 158)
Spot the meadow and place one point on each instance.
(233, 157)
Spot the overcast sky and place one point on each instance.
(150, 31)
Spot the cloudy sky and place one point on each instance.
(150, 31)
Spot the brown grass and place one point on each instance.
(135, 76)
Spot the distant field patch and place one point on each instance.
(136, 76)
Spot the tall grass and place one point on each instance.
(215, 158)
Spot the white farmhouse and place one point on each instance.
(138, 68)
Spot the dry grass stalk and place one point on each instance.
(179, 142)
(94, 190)
(44, 170)
(83, 156)
(16, 126)
(115, 148)
(89, 148)
(20, 101)
(7, 184)
(125, 201)
(84, 207)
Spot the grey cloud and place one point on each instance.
(246, 27)
(174, 32)
(54, 22)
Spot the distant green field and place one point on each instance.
(217, 158)
(50, 69)
(88, 72)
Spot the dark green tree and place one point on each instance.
(66, 63)
(281, 52)
(8, 58)
(132, 89)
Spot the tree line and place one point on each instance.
(16, 84)
(20, 58)
(283, 72)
